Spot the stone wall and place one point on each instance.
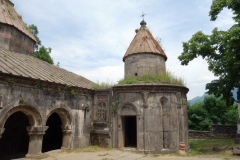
(101, 119)
(38, 100)
(161, 116)
(193, 134)
(14, 40)
(144, 63)
(216, 131)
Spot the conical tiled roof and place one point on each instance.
(8, 15)
(144, 42)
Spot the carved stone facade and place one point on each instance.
(159, 114)
(38, 105)
(43, 107)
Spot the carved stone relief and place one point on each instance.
(102, 112)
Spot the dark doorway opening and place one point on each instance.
(53, 138)
(130, 131)
(15, 140)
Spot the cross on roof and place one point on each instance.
(143, 14)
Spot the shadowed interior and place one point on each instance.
(130, 131)
(15, 140)
(53, 138)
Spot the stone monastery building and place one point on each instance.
(44, 107)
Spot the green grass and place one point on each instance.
(205, 147)
(161, 78)
(103, 85)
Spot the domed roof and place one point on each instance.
(8, 15)
(144, 42)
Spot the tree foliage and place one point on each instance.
(40, 51)
(44, 54)
(221, 50)
(34, 30)
(212, 111)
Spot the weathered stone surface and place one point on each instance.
(137, 65)
(150, 117)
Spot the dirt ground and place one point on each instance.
(121, 155)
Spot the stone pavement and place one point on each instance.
(121, 155)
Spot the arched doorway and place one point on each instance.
(127, 126)
(15, 140)
(53, 138)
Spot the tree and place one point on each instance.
(215, 108)
(221, 50)
(211, 111)
(40, 51)
(34, 30)
(44, 54)
(197, 118)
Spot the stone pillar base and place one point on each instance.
(35, 140)
(67, 137)
(33, 155)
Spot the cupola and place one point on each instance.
(144, 55)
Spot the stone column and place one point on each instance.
(1, 132)
(94, 107)
(237, 139)
(67, 137)
(35, 140)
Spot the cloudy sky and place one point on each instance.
(90, 37)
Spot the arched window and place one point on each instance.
(102, 112)
(163, 101)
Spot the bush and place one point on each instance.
(212, 111)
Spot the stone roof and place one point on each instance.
(23, 65)
(144, 42)
(8, 15)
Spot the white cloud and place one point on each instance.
(91, 37)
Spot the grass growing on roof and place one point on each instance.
(161, 78)
(103, 85)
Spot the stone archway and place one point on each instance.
(66, 119)
(33, 125)
(127, 125)
(32, 113)
(15, 140)
(53, 137)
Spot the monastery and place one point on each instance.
(44, 107)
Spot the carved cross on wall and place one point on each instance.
(143, 14)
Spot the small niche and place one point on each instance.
(136, 74)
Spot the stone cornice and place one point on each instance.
(150, 88)
(29, 82)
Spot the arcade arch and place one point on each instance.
(59, 133)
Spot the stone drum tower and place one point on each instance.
(144, 55)
(151, 117)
